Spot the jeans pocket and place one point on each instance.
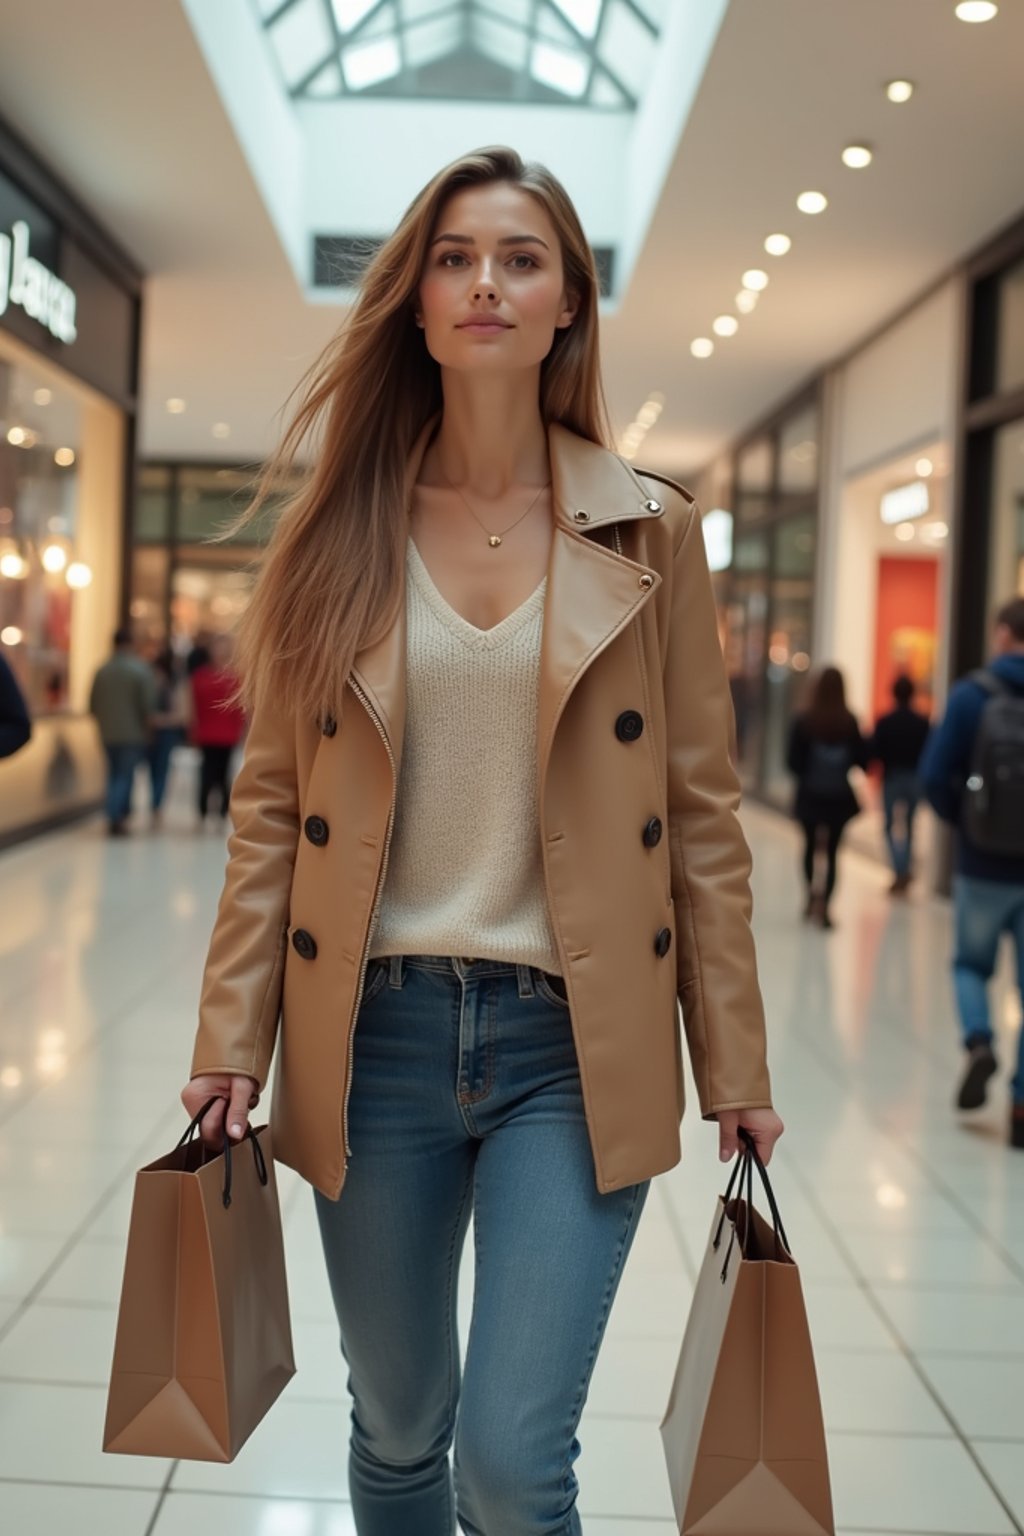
(376, 976)
(551, 988)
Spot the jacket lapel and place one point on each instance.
(592, 591)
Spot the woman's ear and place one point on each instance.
(569, 311)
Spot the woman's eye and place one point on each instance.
(521, 256)
(450, 257)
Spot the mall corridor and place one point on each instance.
(908, 1227)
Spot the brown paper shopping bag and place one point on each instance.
(743, 1431)
(203, 1345)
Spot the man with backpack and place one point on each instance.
(973, 775)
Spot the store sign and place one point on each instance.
(33, 287)
(905, 503)
(717, 529)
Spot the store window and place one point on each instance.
(789, 643)
(61, 449)
(1006, 559)
(1010, 330)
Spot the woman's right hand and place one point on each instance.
(236, 1095)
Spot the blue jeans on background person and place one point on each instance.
(466, 1098)
(901, 789)
(122, 762)
(158, 755)
(985, 910)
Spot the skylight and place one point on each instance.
(596, 53)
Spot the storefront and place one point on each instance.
(69, 332)
(768, 608)
(990, 507)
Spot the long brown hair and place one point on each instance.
(829, 716)
(330, 573)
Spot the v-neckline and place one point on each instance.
(457, 621)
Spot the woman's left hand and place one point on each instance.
(764, 1126)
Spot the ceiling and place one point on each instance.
(116, 98)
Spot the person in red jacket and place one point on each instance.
(218, 723)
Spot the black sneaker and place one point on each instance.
(1017, 1127)
(981, 1065)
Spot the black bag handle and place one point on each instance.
(744, 1167)
(250, 1134)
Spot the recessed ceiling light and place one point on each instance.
(746, 301)
(812, 202)
(725, 325)
(65, 457)
(904, 532)
(221, 429)
(176, 406)
(755, 279)
(899, 91)
(977, 10)
(924, 468)
(857, 156)
(702, 347)
(778, 245)
(42, 396)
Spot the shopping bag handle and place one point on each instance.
(743, 1170)
(250, 1134)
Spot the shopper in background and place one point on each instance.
(973, 774)
(169, 725)
(123, 701)
(825, 742)
(218, 723)
(15, 725)
(897, 744)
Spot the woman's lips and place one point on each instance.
(484, 327)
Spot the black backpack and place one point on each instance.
(993, 808)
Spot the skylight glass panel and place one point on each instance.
(584, 14)
(656, 11)
(367, 64)
(561, 70)
(411, 11)
(383, 23)
(505, 45)
(519, 11)
(328, 83)
(625, 46)
(303, 39)
(349, 13)
(604, 93)
(432, 40)
(552, 28)
(267, 7)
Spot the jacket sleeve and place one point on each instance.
(946, 761)
(241, 994)
(15, 725)
(717, 968)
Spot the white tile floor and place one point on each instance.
(908, 1226)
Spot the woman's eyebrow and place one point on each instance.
(505, 240)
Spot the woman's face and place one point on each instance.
(492, 292)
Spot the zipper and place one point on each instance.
(373, 915)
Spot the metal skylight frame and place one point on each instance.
(539, 22)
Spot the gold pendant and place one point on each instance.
(494, 541)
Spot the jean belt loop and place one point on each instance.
(524, 976)
(395, 971)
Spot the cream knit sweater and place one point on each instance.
(464, 873)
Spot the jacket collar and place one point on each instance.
(592, 591)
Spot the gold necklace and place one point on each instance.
(493, 539)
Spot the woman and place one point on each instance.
(485, 839)
(169, 725)
(824, 744)
(218, 723)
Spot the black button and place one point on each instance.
(304, 944)
(629, 726)
(329, 726)
(652, 833)
(663, 942)
(317, 830)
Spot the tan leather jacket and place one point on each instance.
(646, 868)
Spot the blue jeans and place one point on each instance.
(985, 910)
(121, 765)
(158, 755)
(466, 1097)
(900, 788)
